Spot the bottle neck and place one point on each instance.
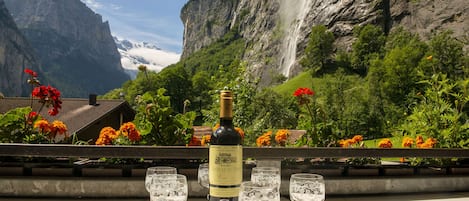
(226, 122)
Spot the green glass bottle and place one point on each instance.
(225, 155)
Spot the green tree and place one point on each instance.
(400, 79)
(447, 56)
(178, 84)
(319, 49)
(202, 85)
(440, 113)
(369, 44)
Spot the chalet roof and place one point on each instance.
(76, 113)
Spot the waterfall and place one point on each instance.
(292, 15)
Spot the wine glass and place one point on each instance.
(267, 176)
(202, 175)
(152, 171)
(250, 191)
(307, 187)
(169, 187)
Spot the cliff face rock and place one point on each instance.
(277, 31)
(206, 21)
(428, 17)
(15, 55)
(76, 48)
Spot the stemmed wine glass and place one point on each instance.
(307, 187)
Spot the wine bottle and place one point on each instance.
(225, 155)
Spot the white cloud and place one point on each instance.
(157, 59)
(93, 4)
(115, 7)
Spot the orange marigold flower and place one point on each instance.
(419, 140)
(42, 125)
(240, 131)
(103, 141)
(129, 130)
(264, 139)
(205, 140)
(407, 142)
(346, 143)
(429, 143)
(357, 138)
(58, 127)
(385, 143)
(281, 136)
(106, 136)
(194, 141)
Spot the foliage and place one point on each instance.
(319, 48)
(369, 44)
(440, 113)
(447, 56)
(14, 125)
(303, 79)
(158, 123)
(23, 125)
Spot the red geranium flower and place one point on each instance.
(303, 91)
(30, 72)
(303, 95)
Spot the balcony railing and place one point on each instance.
(78, 172)
(195, 152)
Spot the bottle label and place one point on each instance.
(225, 170)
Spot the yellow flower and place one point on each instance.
(430, 57)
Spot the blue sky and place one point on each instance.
(154, 21)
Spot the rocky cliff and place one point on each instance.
(15, 55)
(74, 45)
(277, 31)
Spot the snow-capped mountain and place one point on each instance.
(134, 54)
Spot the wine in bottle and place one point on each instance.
(225, 155)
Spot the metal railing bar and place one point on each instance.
(182, 152)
